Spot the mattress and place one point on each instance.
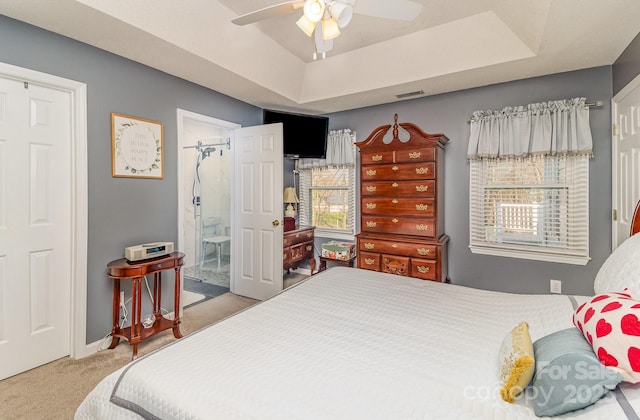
(344, 344)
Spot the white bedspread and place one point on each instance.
(345, 344)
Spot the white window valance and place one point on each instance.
(547, 128)
(340, 151)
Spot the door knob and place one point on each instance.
(276, 222)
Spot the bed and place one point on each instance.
(350, 343)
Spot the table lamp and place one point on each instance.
(290, 197)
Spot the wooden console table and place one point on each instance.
(123, 269)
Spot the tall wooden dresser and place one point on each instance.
(402, 203)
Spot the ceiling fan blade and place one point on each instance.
(269, 12)
(388, 9)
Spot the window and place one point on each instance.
(535, 207)
(328, 199)
(529, 181)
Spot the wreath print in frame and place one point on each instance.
(136, 147)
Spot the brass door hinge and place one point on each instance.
(615, 215)
(614, 129)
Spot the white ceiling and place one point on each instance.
(452, 45)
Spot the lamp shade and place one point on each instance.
(330, 29)
(342, 13)
(290, 195)
(314, 10)
(306, 25)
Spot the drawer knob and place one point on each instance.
(394, 246)
(394, 168)
(395, 220)
(422, 188)
(414, 155)
(422, 207)
(423, 269)
(423, 251)
(394, 185)
(369, 261)
(371, 188)
(309, 235)
(422, 171)
(309, 247)
(371, 172)
(371, 224)
(394, 201)
(371, 205)
(376, 158)
(297, 235)
(369, 245)
(422, 227)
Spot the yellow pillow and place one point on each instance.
(517, 363)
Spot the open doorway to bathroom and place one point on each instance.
(205, 152)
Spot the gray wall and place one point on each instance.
(122, 211)
(120, 85)
(449, 113)
(627, 66)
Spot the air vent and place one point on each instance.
(410, 94)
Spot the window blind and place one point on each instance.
(307, 187)
(534, 207)
(340, 157)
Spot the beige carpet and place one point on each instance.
(55, 390)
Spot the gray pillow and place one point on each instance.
(568, 374)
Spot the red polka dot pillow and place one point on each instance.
(611, 324)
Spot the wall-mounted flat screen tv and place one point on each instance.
(304, 136)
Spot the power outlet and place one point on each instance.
(555, 286)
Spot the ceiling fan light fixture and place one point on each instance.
(314, 10)
(306, 25)
(330, 29)
(341, 12)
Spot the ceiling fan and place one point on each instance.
(323, 19)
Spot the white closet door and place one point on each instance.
(35, 225)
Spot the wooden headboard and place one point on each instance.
(635, 223)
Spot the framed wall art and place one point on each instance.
(137, 149)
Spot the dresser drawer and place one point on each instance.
(393, 206)
(292, 238)
(424, 269)
(376, 158)
(369, 261)
(394, 264)
(399, 171)
(399, 225)
(424, 188)
(403, 248)
(416, 155)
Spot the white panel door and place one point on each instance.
(35, 225)
(626, 159)
(256, 270)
